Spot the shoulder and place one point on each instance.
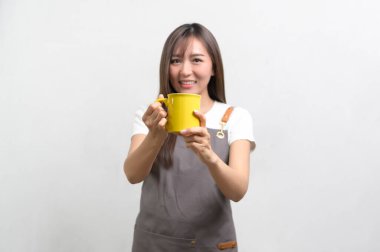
(239, 114)
(239, 125)
(214, 116)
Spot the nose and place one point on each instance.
(186, 68)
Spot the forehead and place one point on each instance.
(191, 45)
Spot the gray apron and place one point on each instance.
(181, 207)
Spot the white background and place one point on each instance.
(73, 72)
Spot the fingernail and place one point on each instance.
(183, 131)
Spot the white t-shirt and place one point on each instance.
(239, 125)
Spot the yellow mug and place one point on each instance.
(180, 111)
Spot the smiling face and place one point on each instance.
(190, 71)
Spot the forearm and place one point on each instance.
(139, 162)
(231, 181)
(232, 178)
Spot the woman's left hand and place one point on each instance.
(198, 139)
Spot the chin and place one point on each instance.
(186, 91)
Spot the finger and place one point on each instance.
(151, 108)
(154, 114)
(160, 99)
(161, 114)
(147, 113)
(193, 139)
(162, 122)
(150, 115)
(154, 118)
(201, 131)
(196, 147)
(201, 117)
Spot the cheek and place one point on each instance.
(172, 73)
(208, 72)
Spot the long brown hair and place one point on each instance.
(180, 38)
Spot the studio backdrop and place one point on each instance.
(73, 73)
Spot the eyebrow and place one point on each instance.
(192, 55)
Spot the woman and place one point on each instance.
(190, 178)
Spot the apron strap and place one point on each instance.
(223, 122)
(227, 114)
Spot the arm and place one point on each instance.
(232, 179)
(143, 149)
(142, 153)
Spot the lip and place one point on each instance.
(187, 84)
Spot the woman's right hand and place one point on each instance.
(155, 119)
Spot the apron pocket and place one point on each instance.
(147, 241)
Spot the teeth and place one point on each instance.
(187, 82)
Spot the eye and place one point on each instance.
(175, 61)
(197, 60)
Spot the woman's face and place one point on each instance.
(191, 72)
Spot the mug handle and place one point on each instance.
(164, 100)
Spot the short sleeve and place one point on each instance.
(139, 126)
(241, 127)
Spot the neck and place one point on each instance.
(206, 104)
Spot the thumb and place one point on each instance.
(201, 117)
(160, 96)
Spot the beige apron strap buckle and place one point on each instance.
(223, 122)
(220, 133)
(193, 242)
(227, 245)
